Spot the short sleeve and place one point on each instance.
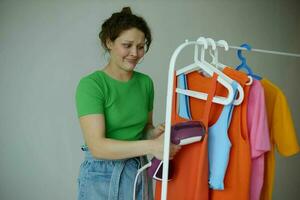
(151, 95)
(283, 128)
(257, 121)
(89, 98)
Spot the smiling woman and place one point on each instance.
(126, 50)
(114, 107)
(127, 38)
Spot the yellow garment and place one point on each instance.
(282, 133)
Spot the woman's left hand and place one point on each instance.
(158, 130)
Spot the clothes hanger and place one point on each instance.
(220, 43)
(244, 64)
(215, 62)
(223, 43)
(208, 69)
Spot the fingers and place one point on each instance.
(158, 130)
(174, 149)
(161, 127)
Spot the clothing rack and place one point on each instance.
(267, 51)
(170, 98)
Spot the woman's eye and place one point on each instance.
(126, 45)
(141, 47)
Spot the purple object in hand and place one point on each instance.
(182, 133)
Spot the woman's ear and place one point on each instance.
(109, 44)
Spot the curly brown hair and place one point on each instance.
(122, 21)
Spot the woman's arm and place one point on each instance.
(93, 128)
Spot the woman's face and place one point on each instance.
(127, 49)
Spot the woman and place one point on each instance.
(114, 107)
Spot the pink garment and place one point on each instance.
(259, 136)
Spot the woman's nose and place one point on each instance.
(133, 51)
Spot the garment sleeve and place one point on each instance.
(257, 121)
(285, 136)
(89, 98)
(151, 95)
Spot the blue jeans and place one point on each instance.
(109, 179)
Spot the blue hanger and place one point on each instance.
(244, 64)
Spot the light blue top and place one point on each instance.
(218, 141)
(184, 104)
(219, 146)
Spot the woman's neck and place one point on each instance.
(117, 72)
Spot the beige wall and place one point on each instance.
(46, 46)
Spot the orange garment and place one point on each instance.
(191, 170)
(282, 133)
(237, 178)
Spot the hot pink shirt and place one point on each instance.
(259, 136)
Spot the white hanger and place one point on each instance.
(220, 43)
(223, 43)
(207, 68)
(224, 76)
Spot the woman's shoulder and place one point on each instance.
(145, 80)
(95, 76)
(91, 80)
(143, 76)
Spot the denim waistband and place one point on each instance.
(117, 171)
(88, 156)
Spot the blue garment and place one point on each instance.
(219, 146)
(218, 141)
(183, 111)
(111, 179)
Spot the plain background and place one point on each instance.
(47, 46)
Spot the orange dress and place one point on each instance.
(190, 181)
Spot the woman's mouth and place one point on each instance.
(131, 61)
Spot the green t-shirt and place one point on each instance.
(125, 105)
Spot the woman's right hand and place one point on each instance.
(159, 148)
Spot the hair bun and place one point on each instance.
(126, 10)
